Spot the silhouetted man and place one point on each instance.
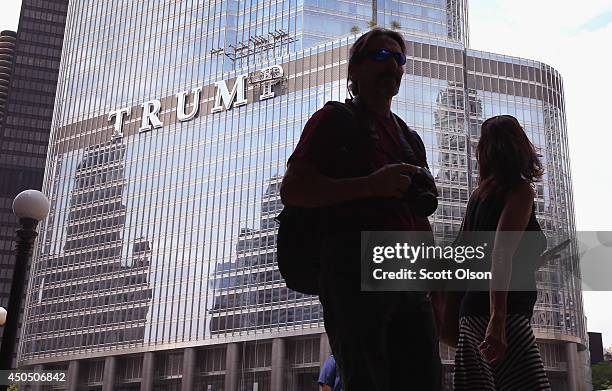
(380, 340)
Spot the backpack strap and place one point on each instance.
(352, 114)
(354, 133)
(412, 143)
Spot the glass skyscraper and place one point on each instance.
(172, 126)
(7, 54)
(29, 68)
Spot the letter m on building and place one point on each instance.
(224, 98)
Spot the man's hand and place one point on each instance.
(391, 180)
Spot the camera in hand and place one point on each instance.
(422, 195)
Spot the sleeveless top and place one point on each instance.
(483, 215)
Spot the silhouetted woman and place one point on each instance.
(496, 348)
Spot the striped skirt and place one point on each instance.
(521, 368)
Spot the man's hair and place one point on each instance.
(358, 51)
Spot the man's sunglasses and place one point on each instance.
(382, 55)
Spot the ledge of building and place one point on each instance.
(551, 336)
(211, 341)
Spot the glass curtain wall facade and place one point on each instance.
(27, 96)
(328, 19)
(157, 264)
(7, 54)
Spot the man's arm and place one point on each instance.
(303, 185)
(327, 375)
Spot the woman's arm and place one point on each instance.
(512, 223)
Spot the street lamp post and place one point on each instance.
(30, 206)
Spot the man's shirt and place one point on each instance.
(330, 375)
(324, 144)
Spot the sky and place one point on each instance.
(575, 38)
(9, 17)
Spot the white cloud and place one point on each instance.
(561, 34)
(9, 17)
(553, 32)
(552, 14)
(596, 307)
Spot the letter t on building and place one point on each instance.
(118, 114)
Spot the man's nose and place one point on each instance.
(392, 62)
(394, 67)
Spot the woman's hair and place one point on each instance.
(505, 156)
(358, 51)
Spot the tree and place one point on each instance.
(354, 30)
(602, 375)
(372, 23)
(395, 25)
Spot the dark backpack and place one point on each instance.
(301, 230)
(298, 243)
